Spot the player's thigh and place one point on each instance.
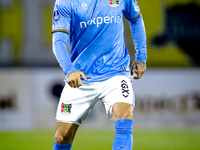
(65, 132)
(119, 92)
(75, 104)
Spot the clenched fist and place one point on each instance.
(138, 68)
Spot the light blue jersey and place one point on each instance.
(95, 29)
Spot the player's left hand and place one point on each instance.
(138, 68)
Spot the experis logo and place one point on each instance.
(100, 20)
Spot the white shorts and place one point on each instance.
(76, 103)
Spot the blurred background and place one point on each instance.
(167, 97)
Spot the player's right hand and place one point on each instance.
(74, 79)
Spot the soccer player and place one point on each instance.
(98, 67)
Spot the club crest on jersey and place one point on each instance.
(114, 3)
(56, 15)
(66, 108)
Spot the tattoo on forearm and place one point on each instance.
(141, 65)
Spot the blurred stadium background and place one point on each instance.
(167, 114)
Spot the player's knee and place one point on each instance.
(65, 132)
(122, 111)
(60, 139)
(125, 115)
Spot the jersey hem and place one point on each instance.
(99, 79)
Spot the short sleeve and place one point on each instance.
(61, 16)
(132, 10)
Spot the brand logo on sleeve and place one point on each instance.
(56, 15)
(114, 3)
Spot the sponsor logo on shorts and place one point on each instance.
(125, 90)
(66, 108)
